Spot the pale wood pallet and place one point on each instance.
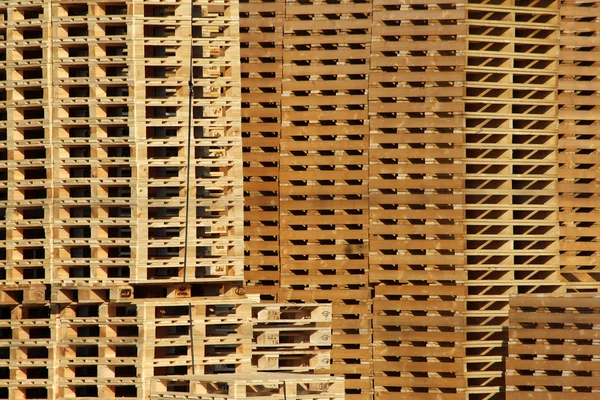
(112, 349)
(351, 325)
(104, 153)
(95, 121)
(291, 337)
(249, 386)
(25, 147)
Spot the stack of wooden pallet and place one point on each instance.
(94, 129)
(578, 130)
(25, 161)
(324, 174)
(416, 191)
(291, 337)
(511, 173)
(96, 296)
(162, 48)
(261, 40)
(111, 349)
(553, 348)
(248, 386)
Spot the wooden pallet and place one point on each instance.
(217, 145)
(553, 347)
(25, 148)
(577, 178)
(117, 347)
(293, 359)
(261, 37)
(416, 244)
(291, 337)
(418, 336)
(314, 218)
(98, 131)
(511, 200)
(248, 386)
(291, 313)
(324, 163)
(91, 62)
(351, 325)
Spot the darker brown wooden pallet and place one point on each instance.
(576, 109)
(261, 69)
(551, 341)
